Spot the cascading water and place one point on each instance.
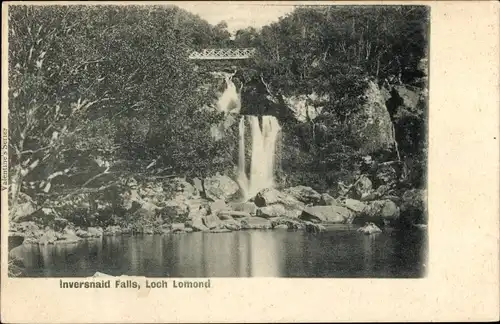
(262, 155)
(264, 132)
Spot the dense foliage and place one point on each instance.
(103, 90)
(99, 92)
(333, 52)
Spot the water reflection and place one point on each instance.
(235, 254)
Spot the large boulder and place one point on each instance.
(198, 184)
(95, 231)
(272, 196)
(255, 223)
(369, 228)
(414, 207)
(217, 206)
(248, 207)
(24, 208)
(372, 125)
(327, 200)
(328, 214)
(69, 235)
(197, 224)
(290, 223)
(314, 227)
(231, 224)
(211, 221)
(355, 205)
(304, 194)
(220, 187)
(275, 210)
(381, 210)
(233, 214)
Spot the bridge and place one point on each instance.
(217, 54)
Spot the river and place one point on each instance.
(277, 253)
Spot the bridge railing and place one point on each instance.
(223, 54)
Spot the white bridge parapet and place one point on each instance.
(223, 54)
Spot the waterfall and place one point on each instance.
(262, 155)
(264, 131)
(229, 101)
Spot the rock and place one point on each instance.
(44, 215)
(146, 213)
(24, 208)
(271, 211)
(363, 186)
(197, 224)
(382, 209)
(185, 188)
(292, 213)
(255, 223)
(370, 196)
(413, 207)
(174, 209)
(281, 226)
(217, 206)
(247, 207)
(390, 211)
(271, 196)
(60, 223)
(267, 197)
(231, 224)
(304, 194)
(165, 230)
(314, 228)
(131, 199)
(224, 216)
(327, 200)
(372, 125)
(290, 223)
(198, 184)
(113, 230)
(382, 190)
(369, 228)
(49, 237)
(220, 187)
(28, 230)
(95, 231)
(220, 230)
(178, 227)
(82, 233)
(328, 214)
(305, 107)
(69, 235)
(355, 205)
(233, 214)
(211, 221)
(408, 96)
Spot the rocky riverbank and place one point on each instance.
(154, 208)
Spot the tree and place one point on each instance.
(80, 75)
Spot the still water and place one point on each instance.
(236, 254)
